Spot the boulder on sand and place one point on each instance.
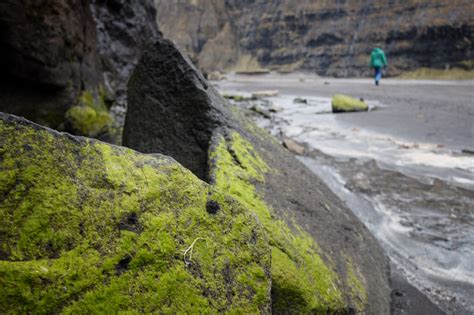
(323, 259)
(300, 100)
(343, 103)
(293, 146)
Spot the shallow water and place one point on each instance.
(416, 197)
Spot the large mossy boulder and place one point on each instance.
(323, 259)
(90, 228)
(343, 104)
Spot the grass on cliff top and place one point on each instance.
(437, 74)
(91, 228)
(302, 282)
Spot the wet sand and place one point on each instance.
(404, 168)
(439, 112)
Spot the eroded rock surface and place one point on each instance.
(323, 258)
(92, 228)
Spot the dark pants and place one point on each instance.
(378, 73)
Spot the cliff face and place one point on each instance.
(329, 37)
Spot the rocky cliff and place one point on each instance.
(58, 55)
(329, 37)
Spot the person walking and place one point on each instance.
(377, 62)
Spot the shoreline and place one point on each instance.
(313, 126)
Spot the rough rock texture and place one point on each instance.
(123, 29)
(187, 109)
(323, 258)
(49, 55)
(90, 228)
(330, 37)
(55, 51)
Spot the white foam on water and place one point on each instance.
(391, 227)
(441, 160)
(312, 123)
(463, 181)
(458, 274)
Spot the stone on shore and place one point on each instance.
(293, 147)
(215, 76)
(275, 109)
(300, 100)
(343, 103)
(261, 111)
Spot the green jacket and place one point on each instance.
(377, 58)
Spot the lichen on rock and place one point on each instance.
(301, 280)
(357, 287)
(90, 117)
(92, 228)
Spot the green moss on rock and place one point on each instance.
(302, 281)
(91, 117)
(356, 285)
(343, 103)
(92, 228)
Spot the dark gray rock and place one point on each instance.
(261, 111)
(48, 55)
(172, 110)
(408, 300)
(53, 51)
(123, 30)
